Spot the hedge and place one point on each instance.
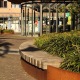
(65, 45)
(2, 31)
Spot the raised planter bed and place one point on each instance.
(54, 73)
(4, 31)
(43, 66)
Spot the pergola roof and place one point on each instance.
(45, 7)
(21, 1)
(18, 1)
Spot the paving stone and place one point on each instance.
(10, 64)
(11, 68)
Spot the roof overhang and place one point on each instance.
(20, 1)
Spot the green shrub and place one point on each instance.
(56, 43)
(71, 62)
(8, 31)
(65, 45)
(1, 31)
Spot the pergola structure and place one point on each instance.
(37, 16)
(20, 1)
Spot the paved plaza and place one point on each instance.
(10, 64)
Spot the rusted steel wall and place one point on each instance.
(35, 72)
(59, 74)
(51, 73)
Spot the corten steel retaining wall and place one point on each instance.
(59, 74)
(34, 71)
(51, 73)
(48, 73)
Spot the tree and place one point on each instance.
(62, 8)
(73, 8)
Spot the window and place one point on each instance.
(13, 5)
(45, 0)
(3, 3)
(19, 5)
(16, 6)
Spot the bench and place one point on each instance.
(30, 53)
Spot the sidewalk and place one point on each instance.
(11, 43)
(10, 64)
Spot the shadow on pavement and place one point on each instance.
(30, 48)
(4, 48)
(1, 38)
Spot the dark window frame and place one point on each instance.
(3, 4)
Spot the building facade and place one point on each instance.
(34, 16)
(10, 15)
(43, 16)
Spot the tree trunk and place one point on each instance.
(72, 21)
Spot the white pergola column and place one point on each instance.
(56, 18)
(22, 27)
(40, 19)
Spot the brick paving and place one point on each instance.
(10, 64)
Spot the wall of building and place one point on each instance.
(10, 16)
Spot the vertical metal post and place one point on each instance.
(64, 21)
(19, 25)
(40, 19)
(21, 22)
(34, 16)
(49, 19)
(9, 23)
(52, 15)
(32, 20)
(28, 20)
(78, 26)
(3, 22)
(25, 19)
(56, 18)
(52, 22)
(46, 22)
(15, 23)
(28, 14)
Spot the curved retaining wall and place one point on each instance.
(37, 73)
(50, 72)
(59, 74)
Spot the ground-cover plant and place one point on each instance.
(65, 45)
(8, 31)
(72, 62)
(1, 31)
